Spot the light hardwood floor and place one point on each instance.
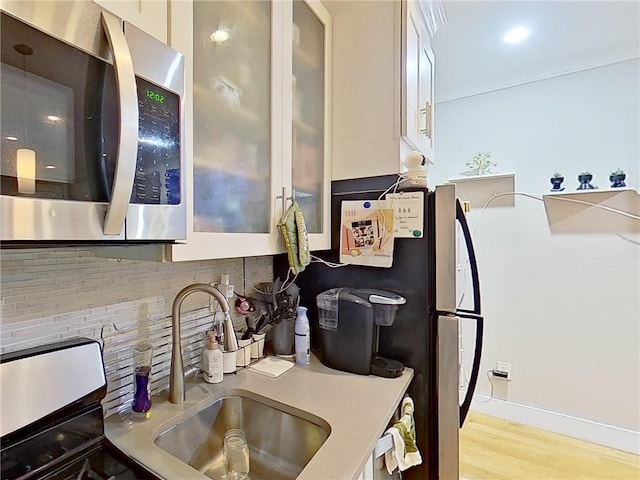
(496, 449)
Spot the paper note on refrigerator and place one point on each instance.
(408, 208)
(366, 233)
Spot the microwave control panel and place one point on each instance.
(157, 179)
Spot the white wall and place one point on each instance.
(563, 309)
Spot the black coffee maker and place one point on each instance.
(349, 321)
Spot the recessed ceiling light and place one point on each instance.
(53, 118)
(220, 35)
(516, 35)
(12, 138)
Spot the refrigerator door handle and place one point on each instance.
(445, 247)
(473, 264)
(448, 393)
(473, 314)
(475, 369)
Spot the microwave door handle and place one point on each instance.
(127, 150)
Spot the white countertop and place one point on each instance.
(356, 407)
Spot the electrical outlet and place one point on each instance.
(503, 370)
(225, 287)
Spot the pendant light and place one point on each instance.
(26, 157)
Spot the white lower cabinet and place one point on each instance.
(375, 468)
(367, 473)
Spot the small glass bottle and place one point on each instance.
(235, 454)
(142, 357)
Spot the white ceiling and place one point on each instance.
(565, 36)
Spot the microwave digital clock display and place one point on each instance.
(157, 178)
(156, 96)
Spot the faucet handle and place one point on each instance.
(190, 371)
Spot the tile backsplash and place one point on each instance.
(55, 293)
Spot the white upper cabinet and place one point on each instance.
(418, 84)
(255, 123)
(383, 96)
(150, 16)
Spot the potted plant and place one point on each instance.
(556, 181)
(617, 178)
(585, 181)
(480, 164)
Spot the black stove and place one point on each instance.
(67, 443)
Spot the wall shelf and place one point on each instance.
(477, 189)
(572, 212)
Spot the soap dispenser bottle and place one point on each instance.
(212, 360)
(142, 360)
(303, 337)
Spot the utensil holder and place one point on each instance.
(229, 360)
(249, 352)
(244, 353)
(283, 337)
(257, 345)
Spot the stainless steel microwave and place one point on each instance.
(91, 127)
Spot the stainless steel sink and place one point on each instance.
(281, 439)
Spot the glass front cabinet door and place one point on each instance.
(310, 88)
(245, 91)
(231, 116)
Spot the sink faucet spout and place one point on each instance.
(177, 374)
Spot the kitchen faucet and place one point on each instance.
(178, 374)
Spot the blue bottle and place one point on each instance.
(142, 357)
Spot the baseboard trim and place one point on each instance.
(600, 433)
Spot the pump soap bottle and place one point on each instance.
(212, 360)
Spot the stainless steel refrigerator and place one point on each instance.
(425, 333)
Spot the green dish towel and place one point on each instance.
(404, 453)
(293, 230)
(407, 436)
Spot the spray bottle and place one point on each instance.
(303, 337)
